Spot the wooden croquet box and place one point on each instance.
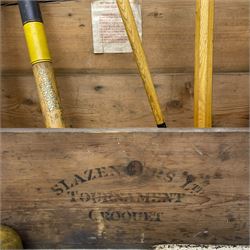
(111, 179)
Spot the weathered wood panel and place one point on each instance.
(83, 188)
(197, 247)
(168, 37)
(93, 101)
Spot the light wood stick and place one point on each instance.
(203, 63)
(48, 95)
(136, 44)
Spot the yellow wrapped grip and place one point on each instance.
(36, 41)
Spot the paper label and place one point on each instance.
(109, 34)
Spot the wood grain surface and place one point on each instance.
(141, 59)
(168, 31)
(203, 81)
(99, 188)
(108, 100)
(127, 188)
(48, 94)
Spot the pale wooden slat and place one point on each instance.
(168, 37)
(119, 101)
(33, 163)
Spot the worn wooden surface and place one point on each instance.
(48, 94)
(79, 189)
(101, 91)
(186, 186)
(197, 247)
(99, 101)
(168, 31)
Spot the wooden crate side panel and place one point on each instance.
(80, 190)
(168, 37)
(95, 100)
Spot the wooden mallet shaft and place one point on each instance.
(203, 63)
(136, 44)
(41, 63)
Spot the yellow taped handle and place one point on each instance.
(36, 41)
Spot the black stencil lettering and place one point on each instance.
(64, 184)
(90, 177)
(179, 197)
(57, 190)
(91, 215)
(85, 197)
(197, 188)
(102, 172)
(79, 179)
(170, 176)
(115, 170)
(189, 180)
(72, 195)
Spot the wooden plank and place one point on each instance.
(126, 188)
(168, 31)
(203, 88)
(197, 247)
(97, 100)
